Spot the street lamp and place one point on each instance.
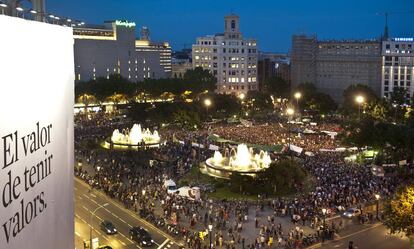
(207, 103)
(324, 223)
(242, 96)
(297, 96)
(143, 192)
(2, 6)
(289, 111)
(395, 112)
(20, 10)
(210, 234)
(360, 100)
(377, 197)
(90, 223)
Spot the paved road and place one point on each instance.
(86, 202)
(367, 237)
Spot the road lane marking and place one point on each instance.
(163, 244)
(94, 196)
(347, 236)
(104, 236)
(132, 214)
(360, 231)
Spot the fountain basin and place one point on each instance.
(135, 138)
(242, 161)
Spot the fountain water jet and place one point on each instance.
(134, 138)
(240, 160)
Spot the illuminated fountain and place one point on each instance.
(241, 160)
(133, 139)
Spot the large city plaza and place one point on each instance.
(290, 180)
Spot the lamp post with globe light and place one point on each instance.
(90, 223)
(297, 96)
(377, 197)
(360, 100)
(324, 224)
(290, 112)
(210, 234)
(207, 104)
(3, 6)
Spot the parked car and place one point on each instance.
(352, 212)
(141, 236)
(108, 227)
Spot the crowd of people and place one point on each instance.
(137, 182)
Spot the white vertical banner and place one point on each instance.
(36, 135)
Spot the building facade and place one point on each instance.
(397, 66)
(102, 50)
(332, 66)
(231, 58)
(272, 65)
(147, 49)
(181, 63)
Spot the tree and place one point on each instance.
(398, 95)
(187, 118)
(313, 100)
(277, 87)
(349, 105)
(223, 105)
(203, 79)
(102, 87)
(281, 177)
(117, 98)
(259, 101)
(381, 110)
(399, 212)
(322, 103)
(87, 99)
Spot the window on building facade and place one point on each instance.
(233, 25)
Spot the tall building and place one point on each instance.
(102, 50)
(273, 65)
(397, 65)
(231, 58)
(333, 65)
(146, 49)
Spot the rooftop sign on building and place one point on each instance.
(403, 39)
(125, 23)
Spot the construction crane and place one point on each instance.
(385, 14)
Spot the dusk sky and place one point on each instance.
(271, 22)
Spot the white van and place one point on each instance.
(170, 186)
